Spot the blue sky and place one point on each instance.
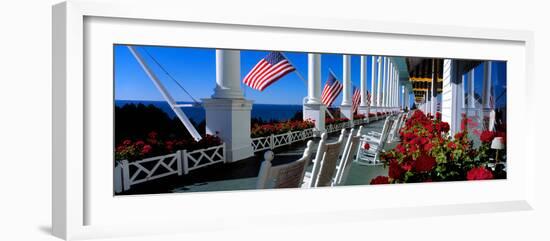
(195, 69)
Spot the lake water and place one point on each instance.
(264, 111)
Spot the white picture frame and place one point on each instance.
(81, 209)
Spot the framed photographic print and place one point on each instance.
(243, 119)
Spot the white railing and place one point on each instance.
(203, 157)
(181, 162)
(337, 127)
(273, 141)
(359, 121)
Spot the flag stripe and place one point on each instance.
(254, 72)
(332, 93)
(268, 74)
(267, 71)
(275, 78)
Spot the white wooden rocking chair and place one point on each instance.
(397, 124)
(376, 143)
(349, 154)
(290, 175)
(324, 164)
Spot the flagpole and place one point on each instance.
(330, 70)
(304, 80)
(297, 72)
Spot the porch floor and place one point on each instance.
(242, 175)
(359, 174)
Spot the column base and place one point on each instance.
(316, 113)
(346, 112)
(365, 111)
(374, 110)
(230, 120)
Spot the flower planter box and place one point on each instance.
(127, 173)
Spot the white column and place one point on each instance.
(228, 75)
(346, 70)
(428, 104)
(402, 105)
(398, 90)
(363, 107)
(374, 70)
(313, 109)
(471, 92)
(451, 96)
(487, 76)
(383, 92)
(393, 84)
(488, 113)
(363, 80)
(390, 86)
(387, 79)
(227, 112)
(314, 79)
(433, 106)
(379, 82)
(346, 106)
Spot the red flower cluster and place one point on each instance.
(330, 121)
(359, 116)
(380, 180)
(280, 127)
(153, 146)
(479, 173)
(487, 136)
(424, 163)
(428, 153)
(372, 114)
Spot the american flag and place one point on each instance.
(331, 90)
(270, 69)
(356, 99)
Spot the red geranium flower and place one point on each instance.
(146, 149)
(428, 147)
(486, 136)
(451, 145)
(395, 171)
(438, 115)
(413, 148)
(400, 148)
(479, 173)
(127, 142)
(153, 135)
(424, 163)
(380, 180)
(366, 146)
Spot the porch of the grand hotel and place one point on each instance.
(397, 85)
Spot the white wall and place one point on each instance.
(25, 131)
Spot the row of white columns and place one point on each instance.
(228, 112)
(385, 86)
